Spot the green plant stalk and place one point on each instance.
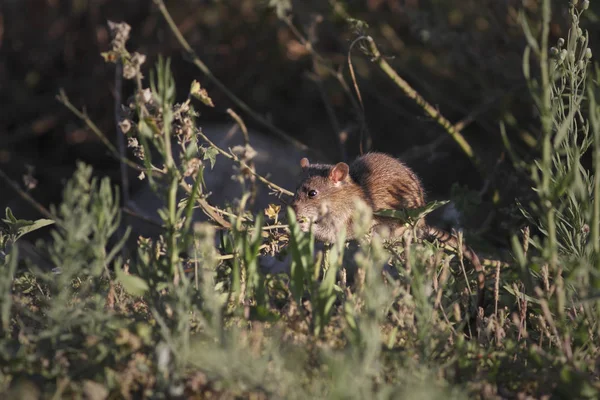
(172, 201)
(546, 119)
(189, 208)
(82, 115)
(596, 215)
(173, 174)
(428, 108)
(8, 271)
(595, 125)
(172, 246)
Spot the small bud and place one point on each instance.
(575, 18)
(553, 51)
(574, 2)
(146, 95)
(563, 54)
(581, 64)
(585, 229)
(120, 33)
(192, 167)
(129, 71)
(579, 32)
(138, 59)
(585, 4)
(572, 57)
(588, 53)
(561, 42)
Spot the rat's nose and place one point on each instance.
(294, 206)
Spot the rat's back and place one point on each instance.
(387, 182)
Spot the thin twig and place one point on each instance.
(212, 212)
(428, 108)
(244, 129)
(459, 251)
(335, 125)
(208, 73)
(62, 97)
(120, 135)
(121, 143)
(243, 164)
(207, 208)
(40, 208)
(241, 124)
(141, 217)
(497, 291)
(363, 124)
(324, 64)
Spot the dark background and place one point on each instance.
(464, 57)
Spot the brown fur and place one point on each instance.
(380, 180)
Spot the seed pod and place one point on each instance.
(563, 54)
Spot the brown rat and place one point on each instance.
(326, 196)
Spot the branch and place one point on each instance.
(208, 73)
(452, 130)
(244, 165)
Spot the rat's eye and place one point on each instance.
(312, 193)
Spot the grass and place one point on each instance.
(190, 314)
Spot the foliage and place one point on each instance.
(194, 313)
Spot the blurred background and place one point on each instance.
(463, 56)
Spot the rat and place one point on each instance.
(325, 199)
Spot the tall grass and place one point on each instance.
(191, 313)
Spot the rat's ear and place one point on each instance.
(304, 163)
(339, 172)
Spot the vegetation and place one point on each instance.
(191, 314)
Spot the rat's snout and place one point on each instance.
(294, 204)
(297, 210)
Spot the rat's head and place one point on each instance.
(325, 198)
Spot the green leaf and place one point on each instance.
(20, 227)
(34, 225)
(412, 214)
(297, 268)
(518, 293)
(261, 313)
(145, 129)
(134, 285)
(211, 154)
(565, 126)
(9, 216)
